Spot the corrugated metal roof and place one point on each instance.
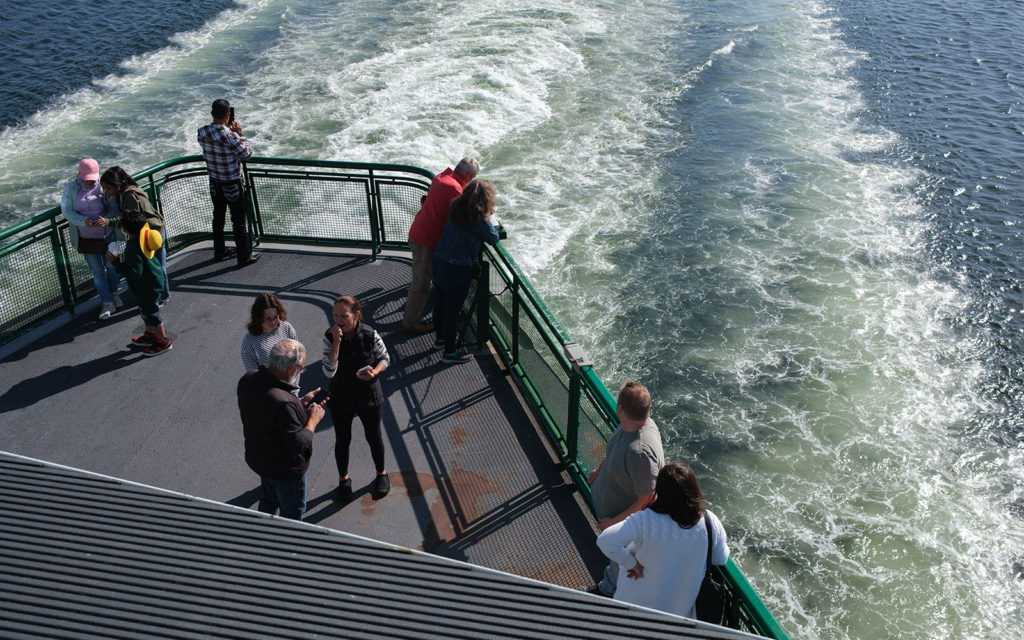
(88, 556)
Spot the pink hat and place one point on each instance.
(89, 169)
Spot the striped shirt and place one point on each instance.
(223, 151)
(256, 349)
(380, 354)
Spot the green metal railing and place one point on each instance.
(368, 206)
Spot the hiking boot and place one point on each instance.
(456, 357)
(159, 346)
(419, 327)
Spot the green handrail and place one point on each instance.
(371, 206)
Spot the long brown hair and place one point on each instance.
(475, 203)
(677, 494)
(263, 302)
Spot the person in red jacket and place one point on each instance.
(425, 233)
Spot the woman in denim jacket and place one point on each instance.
(456, 260)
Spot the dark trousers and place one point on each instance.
(342, 418)
(451, 286)
(226, 195)
(286, 494)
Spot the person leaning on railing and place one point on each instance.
(124, 195)
(664, 548)
(457, 261)
(83, 205)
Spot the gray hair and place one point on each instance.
(286, 353)
(468, 167)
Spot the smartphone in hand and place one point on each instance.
(231, 116)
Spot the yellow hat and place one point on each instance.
(149, 241)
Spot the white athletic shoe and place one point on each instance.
(106, 309)
(116, 299)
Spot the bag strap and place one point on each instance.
(711, 540)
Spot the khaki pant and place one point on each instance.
(419, 289)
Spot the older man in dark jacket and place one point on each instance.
(279, 429)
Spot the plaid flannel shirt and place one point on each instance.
(223, 151)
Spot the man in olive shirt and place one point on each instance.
(624, 481)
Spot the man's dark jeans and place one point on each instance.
(230, 194)
(286, 494)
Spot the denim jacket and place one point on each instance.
(461, 244)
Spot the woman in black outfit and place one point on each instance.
(354, 355)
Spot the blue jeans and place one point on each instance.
(286, 494)
(161, 254)
(104, 276)
(451, 286)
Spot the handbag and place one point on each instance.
(92, 245)
(714, 600)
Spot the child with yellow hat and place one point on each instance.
(145, 279)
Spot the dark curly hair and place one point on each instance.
(475, 203)
(263, 302)
(677, 494)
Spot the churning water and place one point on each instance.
(796, 220)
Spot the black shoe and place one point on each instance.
(228, 254)
(253, 257)
(344, 492)
(381, 486)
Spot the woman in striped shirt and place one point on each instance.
(268, 325)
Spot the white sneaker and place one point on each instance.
(105, 310)
(116, 299)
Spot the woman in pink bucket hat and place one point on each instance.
(84, 207)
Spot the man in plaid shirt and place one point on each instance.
(224, 149)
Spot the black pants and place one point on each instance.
(230, 194)
(342, 418)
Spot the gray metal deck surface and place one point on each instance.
(90, 557)
(471, 477)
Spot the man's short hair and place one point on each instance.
(286, 353)
(635, 400)
(220, 108)
(468, 167)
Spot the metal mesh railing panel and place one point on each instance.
(396, 201)
(184, 201)
(314, 207)
(30, 286)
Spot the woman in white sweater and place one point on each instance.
(664, 547)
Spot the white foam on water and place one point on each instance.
(686, 185)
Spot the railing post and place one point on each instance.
(515, 317)
(578, 360)
(376, 216)
(483, 304)
(252, 209)
(60, 260)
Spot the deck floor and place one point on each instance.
(472, 478)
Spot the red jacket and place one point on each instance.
(429, 221)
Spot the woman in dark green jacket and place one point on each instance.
(123, 195)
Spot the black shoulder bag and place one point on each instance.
(714, 601)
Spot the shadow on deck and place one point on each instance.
(472, 478)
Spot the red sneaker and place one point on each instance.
(158, 347)
(144, 340)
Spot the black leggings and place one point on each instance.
(370, 417)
